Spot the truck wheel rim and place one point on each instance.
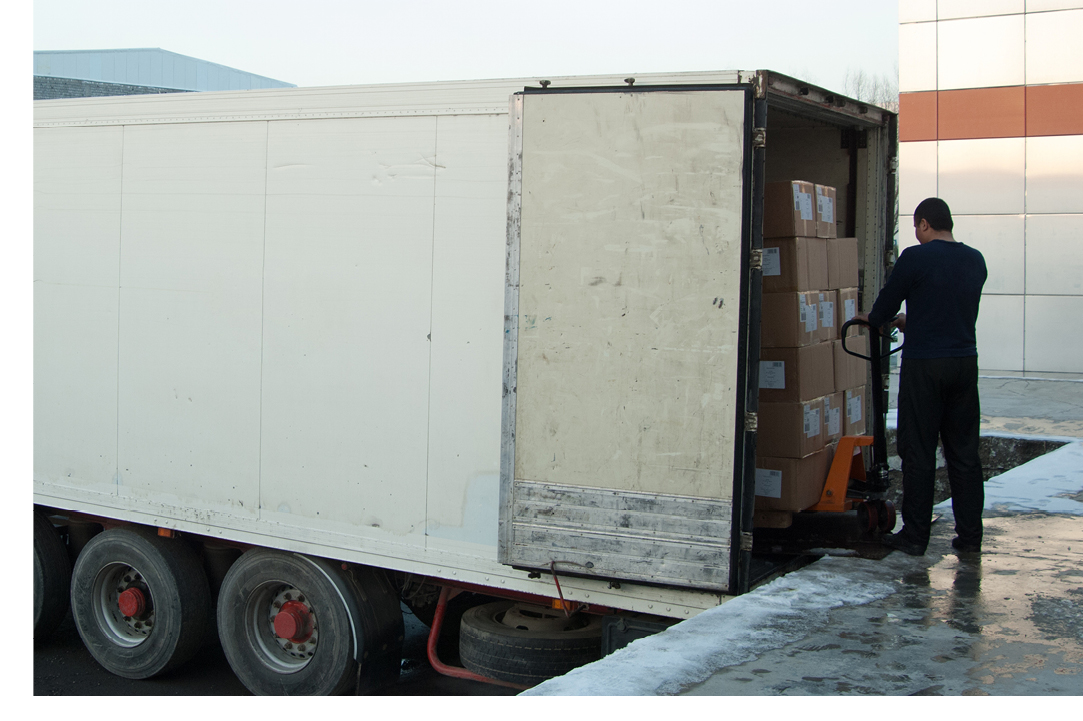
(265, 604)
(115, 584)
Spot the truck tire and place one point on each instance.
(52, 578)
(526, 644)
(296, 625)
(141, 602)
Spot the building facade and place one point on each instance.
(991, 120)
(134, 71)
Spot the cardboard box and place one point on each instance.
(794, 264)
(842, 263)
(827, 302)
(791, 375)
(790, 484)
(825, 212)
(854, 424)
(789, 210)
(849, 305)
(834, 417)
(850, 371)
(790, 320)
(790, 430)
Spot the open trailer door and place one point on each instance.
(625, 449)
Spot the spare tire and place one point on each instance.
(527, 644)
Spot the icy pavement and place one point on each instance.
(1009, 623)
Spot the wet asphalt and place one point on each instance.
(1006, 623)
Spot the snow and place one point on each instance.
(784, 610)
(1045, 484)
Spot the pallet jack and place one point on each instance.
(851, 483)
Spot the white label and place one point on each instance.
(802, 203)
(808, 317)
(850, 305)
(768, 483)
(772, 262)
(825, 206)
(812, 421)
(853, 407)
(773, 374)
(827, 314)
(834, 422)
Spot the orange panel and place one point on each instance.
(917, 116)
(1055, 109)
(982, 113)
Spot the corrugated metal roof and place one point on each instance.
(148, 66)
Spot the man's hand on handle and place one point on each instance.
(898, 321)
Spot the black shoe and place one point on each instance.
(899, 543)
(963, 547)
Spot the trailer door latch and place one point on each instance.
(746, 541)
(759, 137)
(755, 259)
(751, 422)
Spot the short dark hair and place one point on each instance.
(935, 212)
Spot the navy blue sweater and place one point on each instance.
(941, 282)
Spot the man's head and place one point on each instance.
(932, 219)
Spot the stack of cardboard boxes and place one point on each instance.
(811, 392)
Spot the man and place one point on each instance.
(941, 281)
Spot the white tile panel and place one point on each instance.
(983, 177)
(1055, 254)
(1000, 332)
(347, 322)
(467, 328)
(952, 9)
(1054, 50)
(1000, 238)
(980, 52)
(917, 57)
(190, 302)
(917, 179)
(1035, 6)
(917, 11)
(1053, 344)
(1055, 174)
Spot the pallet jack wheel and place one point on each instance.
(886, 513)
(867, 517)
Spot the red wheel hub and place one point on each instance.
(132, 602)
(294, 622)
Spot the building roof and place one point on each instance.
(148, 66)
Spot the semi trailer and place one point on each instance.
(303, 355)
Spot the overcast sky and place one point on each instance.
(341, 42)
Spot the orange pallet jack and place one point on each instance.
(849, 485)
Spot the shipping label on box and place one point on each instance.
(768, 483)
(834, 416)
(809, 315)
(813, 424)
(855, 406)
(773, 374)
(787, 321)
(772, 262)
(847, 306)
(825, 211)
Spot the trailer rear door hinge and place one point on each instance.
(746, 541)
(755, 259)
(759, 137)
(752, 422)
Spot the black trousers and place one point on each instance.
(938, 398)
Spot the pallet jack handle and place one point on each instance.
(878, 475)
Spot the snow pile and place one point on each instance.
(1052, 483)
(769, 617)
